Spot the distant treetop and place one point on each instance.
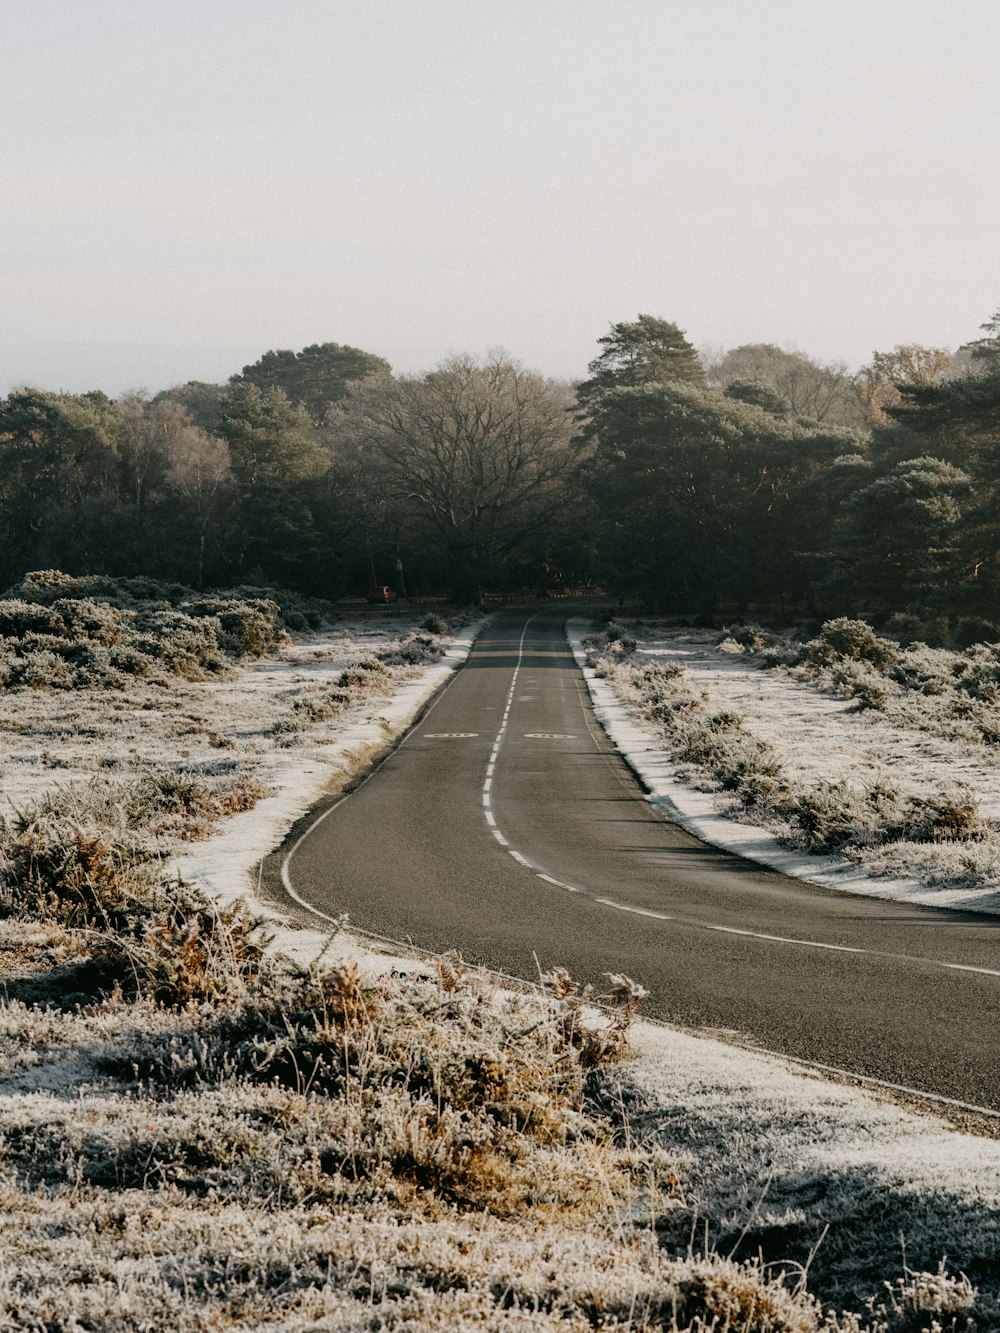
(646, 351)
(314, 378)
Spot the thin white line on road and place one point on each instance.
(521, 860)
(624, 907)
(967, 967)
(785, 939)
(560, 884)
(490, 820)
(781, 939)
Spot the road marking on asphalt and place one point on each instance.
(449, 735)
(783, 939)
(494, 754)
(966, 967)
(560, 884)
(548, 736)
(686, 922)
(623, 907)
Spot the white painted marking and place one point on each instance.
(783, 939)
(787, 939)
(449, 735)
(558, 883)
(548, 736)
(521, 860)
(490, 820)
(486, 786)
(966, 967)
(639, 911)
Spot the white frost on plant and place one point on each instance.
(816, 736)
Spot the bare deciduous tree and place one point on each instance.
(877, 383)
(810, 388)
(474, 455)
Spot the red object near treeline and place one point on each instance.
(381, 592)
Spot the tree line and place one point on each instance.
(704, 484)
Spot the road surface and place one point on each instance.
(506, 826)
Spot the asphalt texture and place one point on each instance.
(861, 984)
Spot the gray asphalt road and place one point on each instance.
(544, 847)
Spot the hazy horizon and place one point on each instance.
(186, 188)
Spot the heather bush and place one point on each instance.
(65, 632)
(434, 625)
(321, 703)
(754, 638)
(435, 1091)
(55, 868)
(852, 639)
(368, 674)
(858, 680)
(618, 638)
(185, 645)
(970, 630)
(414, 650)
(181, 804)
(737, 760)
(249, 628)
(833, 815)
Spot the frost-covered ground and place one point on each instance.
(817, 736)
(758, 1155)
(57, 740)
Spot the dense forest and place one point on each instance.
(751, 481)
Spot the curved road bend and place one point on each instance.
(545, 845)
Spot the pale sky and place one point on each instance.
(186, 184)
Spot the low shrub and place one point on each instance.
(56, 869)
(852, 639)
(151, 934)
(180, 804)
(618, 638)
(319, 704)
(947, 816)
(754, 638)
(368, 674)
(185, 645)
(110, 630)
(430, 1091)
(414, 650)
(434, 625)
(833, 815)
(249, 628)
(858, 680)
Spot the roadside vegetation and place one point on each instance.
(878, 820)
(253, 1144)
